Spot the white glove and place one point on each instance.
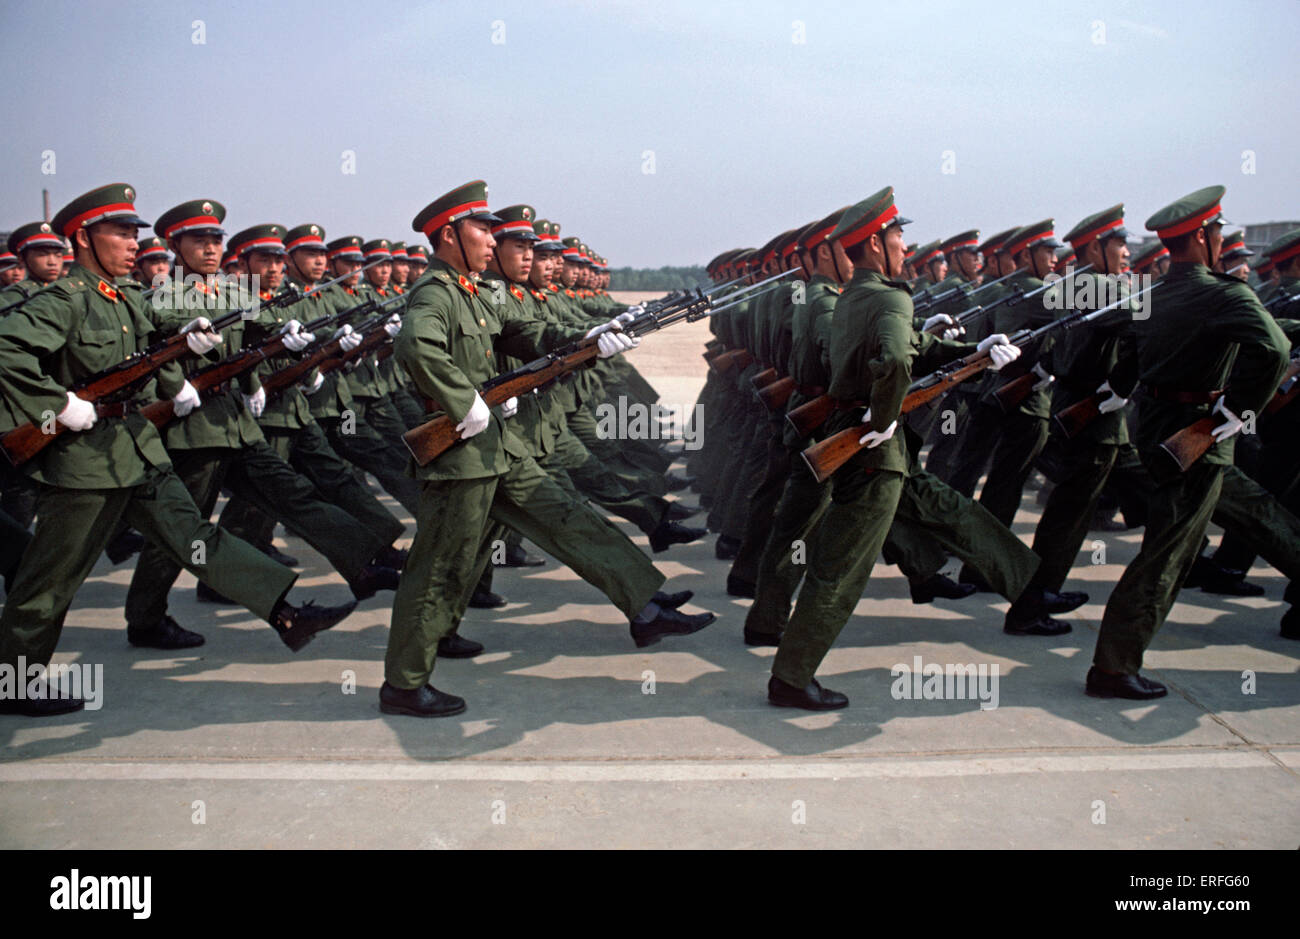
(614, 342)
(874, 438)
(295, 339)
(629, 315)
(199, 336)
(635, 310)
(256, 402)
(77, 414)
(476, 420)
(999, 350)
(1113, 403)
(1231, 422)
(393, 326)
(1045, 377)
(186, 400)
(348, 340)
(597, 330)
(510, 408)
(316, 383)
(939, 319)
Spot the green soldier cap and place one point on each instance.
(196, 217)
(1234, 246)
(348, 248)
(1283, 249)
(787, 243)
(305, 236)
(925, 254)
(68, 256)
(379, 249)
(909, 252)
(7, 260)
(151, 247)
(801, 237)
(228, 259)
(996, 242)
(1108, 223)
(114, 202)
(573, 250)
(398, 250)
(1064, 254)
(467, 201)
(1039, 233)
(516, 221)
(417, 254)
(876, 213)
(1189, 213)
(268, 238)
(34, 235)
(585, 252)
(548, 236)
(767, 254)
(1147, 255)
(966, 241)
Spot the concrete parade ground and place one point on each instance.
(575, 738)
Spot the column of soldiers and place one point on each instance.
(1185, 331)
(137, 383)
(288, 393)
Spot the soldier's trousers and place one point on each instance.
(1261, 521)
(362, 446)
(945, 449)
(696, 460)
(74, 525)
(14, 539)
(1022, 439)
(308, 452)
(17, 496)
(845, 549)
(441, 570)
(1084, 467)
(977, 439)
(1179, 513)
(596, 482)
(751, 469)
(259, 476)
(761, 508)
(582, 423)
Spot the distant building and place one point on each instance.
(1261, 236)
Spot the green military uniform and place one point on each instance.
(220, 444)
(117, 469)
(287, 423)
(448, 346)
(1200, 323)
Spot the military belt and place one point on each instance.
(1182, 397)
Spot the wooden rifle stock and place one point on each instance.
(1012, 393)
(774, 395)
(1287, 389)
(434, 438)
(1191, 443)
(1073, 420)
(810, 415)
(825, 457)
(764, 378)
(731, 359)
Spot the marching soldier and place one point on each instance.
(152, 261)
(448, 345)
(110, 465)
(11, 269)
(221, 445)
(1200, 321)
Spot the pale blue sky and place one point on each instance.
(752, 132)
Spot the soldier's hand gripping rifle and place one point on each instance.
(329, 354)
(825, 457)
(23, 443)
(433, 438)
(1188, 445)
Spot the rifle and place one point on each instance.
(1278, 299)
(825, 457)
(776, 394)
(1188, 445)
(1017, 294)
(24, 442)
(433, 438)
(923, 300)
(327, 354)
(764, 378)
(1072, 420)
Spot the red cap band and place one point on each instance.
(1187, 225)
(450, 215)
(197, 221)
(866, 231)
(1088, 236)
(96, 214)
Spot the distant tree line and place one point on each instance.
(663, 278)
